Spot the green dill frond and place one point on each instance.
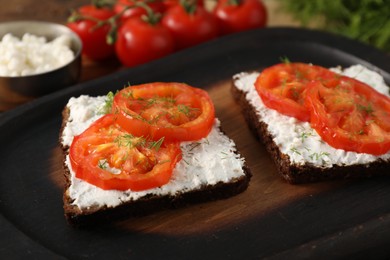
(157, 144)
(317, 156)
(106, 109)
(129, 140)
(103, 164)
(367, 109)
(285, 60)
(295, 150)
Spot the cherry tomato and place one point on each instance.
(106, 156)
(93, 36)
(350, 115)
(133, 12)
(282, 87)
(175, 111)
(239, 15)
(139, 42)
(190, 27)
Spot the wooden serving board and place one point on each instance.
(271, 219)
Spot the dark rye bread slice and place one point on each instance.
(295, 173)
(147, 204)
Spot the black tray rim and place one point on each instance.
(373, 56)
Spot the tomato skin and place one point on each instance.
(245, 15)
(134, 114)
(282, 87)
(189, 29)
(139, 42)
(171, 3)
(94, 39)
(350, 115)
(136, 12)
(140, 166)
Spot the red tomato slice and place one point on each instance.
(175, 111)
(282, 87)
(350, 115)
(106, 156)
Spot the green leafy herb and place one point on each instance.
(295, 150)
(317, 156)
(186, 110)
(364, 20)
(156, 145)
(194, 145)
(129, 140)
(305, 135)
(108, 104)
(285, 60)
(103, 164)
(368, 108)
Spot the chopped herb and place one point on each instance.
(186, 110)
(295, 150)
(316, 156)
(285, 60)
(225, 155)
(295, 93)
(129, 140)
(194, 145)
(128, 94)
(156, 145)
(305, 135)
(368, 109)
(185, 161)
(361, 132)
(103, 164)
(106, 108)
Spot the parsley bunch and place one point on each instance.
(364, 20)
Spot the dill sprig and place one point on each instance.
(129, 140)
(317, 156)
(106, 108)
(156, 144)
(103, 164)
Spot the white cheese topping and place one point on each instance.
(32, 54)
(296, 138)
(208, 161)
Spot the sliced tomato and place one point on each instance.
(350, 115)
(175, 111)
(282, 87)
(108, 157)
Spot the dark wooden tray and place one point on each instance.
(271, 219)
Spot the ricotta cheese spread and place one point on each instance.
(296, 138)
(208, 161)
(32, 54)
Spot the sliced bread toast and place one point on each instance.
(298, 152)
(210, 169)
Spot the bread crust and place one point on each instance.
(294, 173)
(145, 205)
